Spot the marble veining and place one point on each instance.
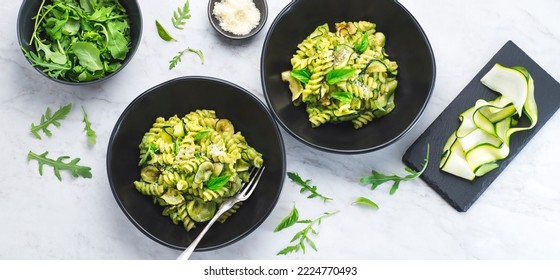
(516, 218)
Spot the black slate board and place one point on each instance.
(458, 192)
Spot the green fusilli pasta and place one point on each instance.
(344, 75)
(190, 165)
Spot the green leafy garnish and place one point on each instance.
(48, 119)
(79, 41)
(163, 34)
(289, 220)
(377, 178)
(301, 238)
(177, 58)
(180, 16)
(365, 201)
(362, 45)
(338, 75)
(201, 135)
(306, 187)
(216, 183)
(90, 133)
(150, 153)
(59, 164)
(301, 75)
(344, 97)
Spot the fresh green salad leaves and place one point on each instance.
(59, 164)
(377, 178)
(180, 16)
(306, 187)
(301, 238)
(177, 58)
(90, 133)
(48, 118)
(79, 41)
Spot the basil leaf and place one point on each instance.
(301, 75)
(201, 135)
(344, 97)
(163, 34)
(88, 55)
(216, 183)
(362, 45)
(338, 75)
(365, 201)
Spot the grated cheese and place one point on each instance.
(237, 16)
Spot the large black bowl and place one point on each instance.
(181, 96)
(406, 43)
(26, 24)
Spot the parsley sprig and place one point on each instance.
(305, 186)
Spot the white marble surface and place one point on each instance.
(517, 218)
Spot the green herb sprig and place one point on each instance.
(59, 164)
(305, 186)
(377, 178)
(216, 183)
(180, 15)
(90, 133)
(338, 75)
(177, 58)
(301, 238)
(48, 118)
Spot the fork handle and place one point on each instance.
(187, 253)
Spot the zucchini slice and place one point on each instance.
(482, 138)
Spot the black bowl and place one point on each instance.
(406, 43)
(261, 6)
(181, 96)
(25, 26)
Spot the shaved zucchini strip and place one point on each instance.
(482, 139)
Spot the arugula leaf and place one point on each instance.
(163, 34)
(344, 97)
(365, 201)
(180, 16)
(117, 42)
(177, 58)
(362, 45)
(88, 55)
(48, 119)
(216, 183)
(301, 75)
(377, 178)
(289, 220)
(199, 53)
(90, 133)
(306, 187)
(302, 237)
(338, 75)
(59, 164)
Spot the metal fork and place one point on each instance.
(242, 195)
